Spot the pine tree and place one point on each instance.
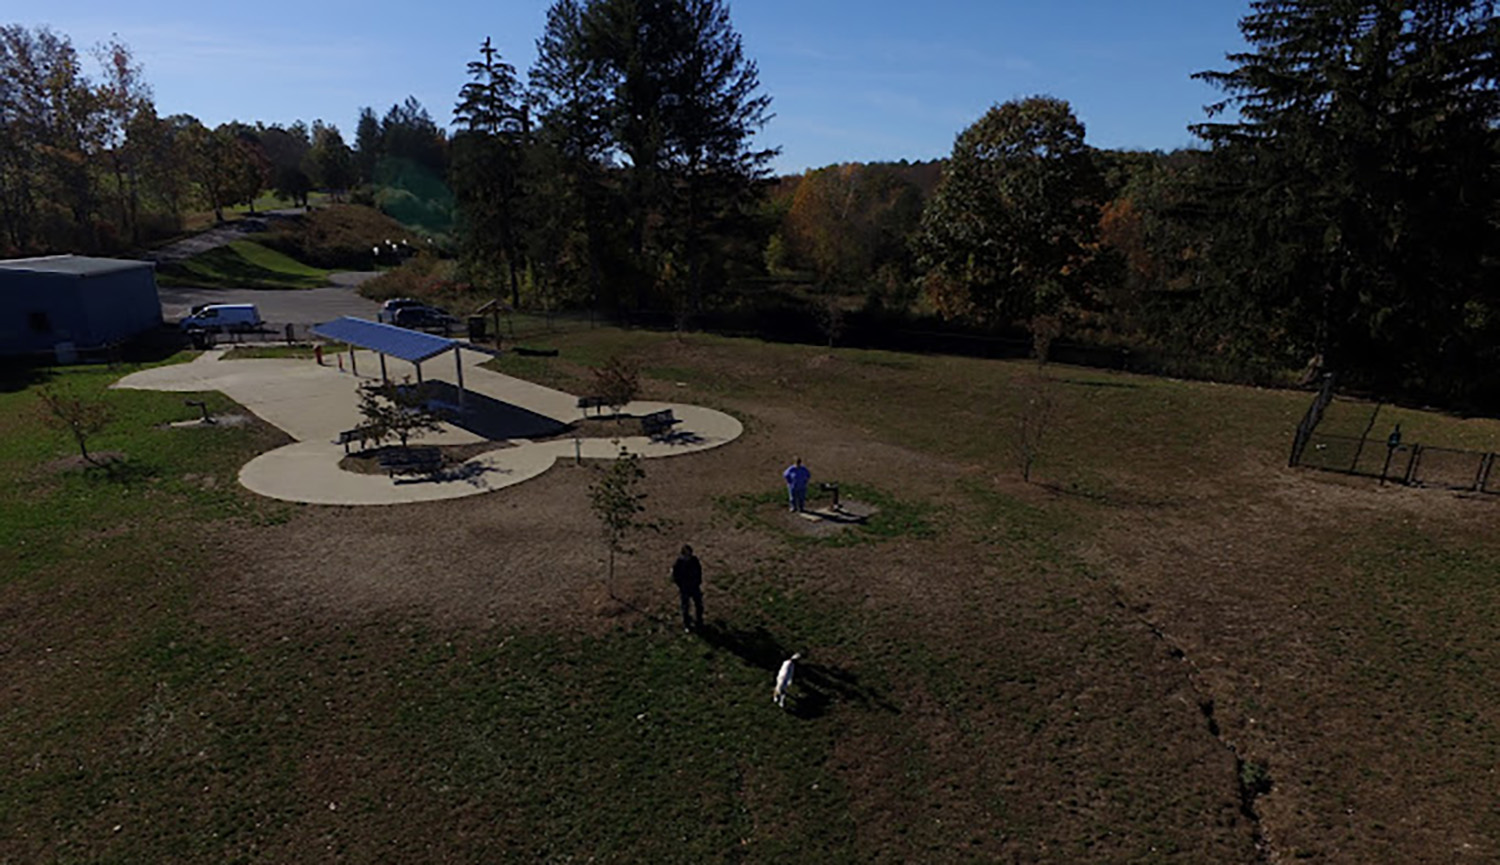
(488, 162)
(680, 108)
(1361, 176)
(571, 203)
(368, 141)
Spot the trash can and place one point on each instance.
(476, 328)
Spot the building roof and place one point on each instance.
(409, 345)
(74, 265)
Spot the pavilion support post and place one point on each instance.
(458, 364)
(418, 365)
(384, 379)
(353, 366)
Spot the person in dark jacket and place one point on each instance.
(687, 573)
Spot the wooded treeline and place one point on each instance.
(88, 166)
(1341, 215)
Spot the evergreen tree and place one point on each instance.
(1361, 176)
(330, 160)
(685, 111)
(570, 206)
(488, 161)
(660, 90)
(367, 146)
(411, 176)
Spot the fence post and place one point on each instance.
(1311, 419)
(1411, 465)
(1354, 465)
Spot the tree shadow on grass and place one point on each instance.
(1112, 497)
(815, 686)
(1127, 385)
(116, 468)
(16, 377)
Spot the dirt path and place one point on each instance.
(211, 239)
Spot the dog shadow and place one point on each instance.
(814, 687)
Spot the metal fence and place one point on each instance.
(1389, 460)
(1451, 469)
(271, 333)
(1414, 464)
(1311, 419)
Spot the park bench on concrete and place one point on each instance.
(412, 461)
(658, 424)
(362, 434)
(597, 403)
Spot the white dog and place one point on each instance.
(784, 679)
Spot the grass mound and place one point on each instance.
(243, 264)
(340, 236)
(431, 280)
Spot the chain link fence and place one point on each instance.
(1413, 464)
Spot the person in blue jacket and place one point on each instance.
(797, 476)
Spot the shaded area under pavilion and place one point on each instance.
(478, 413)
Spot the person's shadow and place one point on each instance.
(814, 686)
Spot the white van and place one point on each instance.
(224, 317)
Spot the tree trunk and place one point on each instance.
(83, 449)
(515, 284)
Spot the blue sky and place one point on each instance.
(850, 81)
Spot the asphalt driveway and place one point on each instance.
(278, 307)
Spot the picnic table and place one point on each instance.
(412, 461)
(658, 424)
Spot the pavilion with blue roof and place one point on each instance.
(412, 346)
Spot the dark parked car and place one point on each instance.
(423, 317)
(388, 309)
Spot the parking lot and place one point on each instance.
(308, 306)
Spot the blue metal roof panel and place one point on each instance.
(409, 345)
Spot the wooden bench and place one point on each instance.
(658, 424)
(412, 461)
(597, 403)
(362, 434)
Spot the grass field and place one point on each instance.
(242, 264)
(1170, 648)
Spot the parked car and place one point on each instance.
(388, 309)
(221, 317)
(423, 317)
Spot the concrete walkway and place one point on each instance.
(313, 404)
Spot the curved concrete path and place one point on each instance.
(314, 403)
